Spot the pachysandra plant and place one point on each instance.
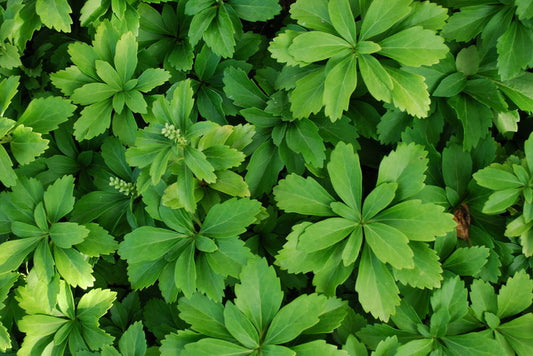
(194, 153)
(392, 29)
(387, 231)
(512, 184)
(103, 79)
(266, 177)
(255, 321)
(190, 254)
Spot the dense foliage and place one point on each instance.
(264, 177)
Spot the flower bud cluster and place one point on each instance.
(172, 133)
(128, 189)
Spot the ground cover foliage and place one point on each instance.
(264, 177)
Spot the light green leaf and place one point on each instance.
(514, 51)
(94, 304)
(26, 145)
(151, 78)
(314, 46)
(54, 14)
(13, 252)
(7, 175)
(133, 341)
(375, 286)
(98, 242)
(45, 114)
(240, 327)
(341, 80)
(204, 315)
(74, 269)
(136, 247)
(94, 120)
(389, 244)
(242, 90)
(294, 318)
(312, 14)
(185, 271)
(342, 19)
(467, 261)
(427, 272)
(325, 233)
(402, 46)
(376, 78)
(66, 234)
(524, 9)
(345, 174)
(197, 162)
(259, 294)
(516, 295)
(318, 347)
(496, 177)
(406, 166)
(520, 91)
(382, 15)
(307, 97)
(125, 59)
(256, 10)
(517, 332)
(219, 35)
(230, 218)
(231, 183)
(418, 221)
(59, 198)
(214, 347)
(378, 199)
(476, 344)
(466, 24)
(451, 85)
(304, 196)
(501, 200)
(303, 137)
(409, 92)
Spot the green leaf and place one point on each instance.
(312, 14)
(133, 341)
(382, 15)
(341, 80)
(151, 78)
(197, 162)
(524, 9)
(294, 318)
(467, 261)
(240, 327)
(429, 47)
(406, 166)
(26, 145)
(137, 248)
(451, 297)
(318, 347)
(409, 92)
(66, 234)
(54, 14)
(242, 90)
(450, 86)
(345, 174)
(98, 242)
(389, 244)
(230, 218)
(342, 20)
(8, 89)
(231, 183)
(185, 271)
(378, 199)
(475, 118)
(466, 24)
(376, 78)
(59, 199)
(94, 120)
(204, 315)
(308, 95)
(303, 137)
(219, 35)
(514, 52)
(517, 332)
(45, 114)
(495, 177)
(375, 286)
(456, 168)
(520, 91)
(483, 345)
(214, 347)
(516, 295)
(74, 269)
(304, 196)
(13, 252)
(256, 10)
(501, 200)
(325, 233)
(259, 294)
(427, 272)
(125, 59)
(314, 46)
(94, 304)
